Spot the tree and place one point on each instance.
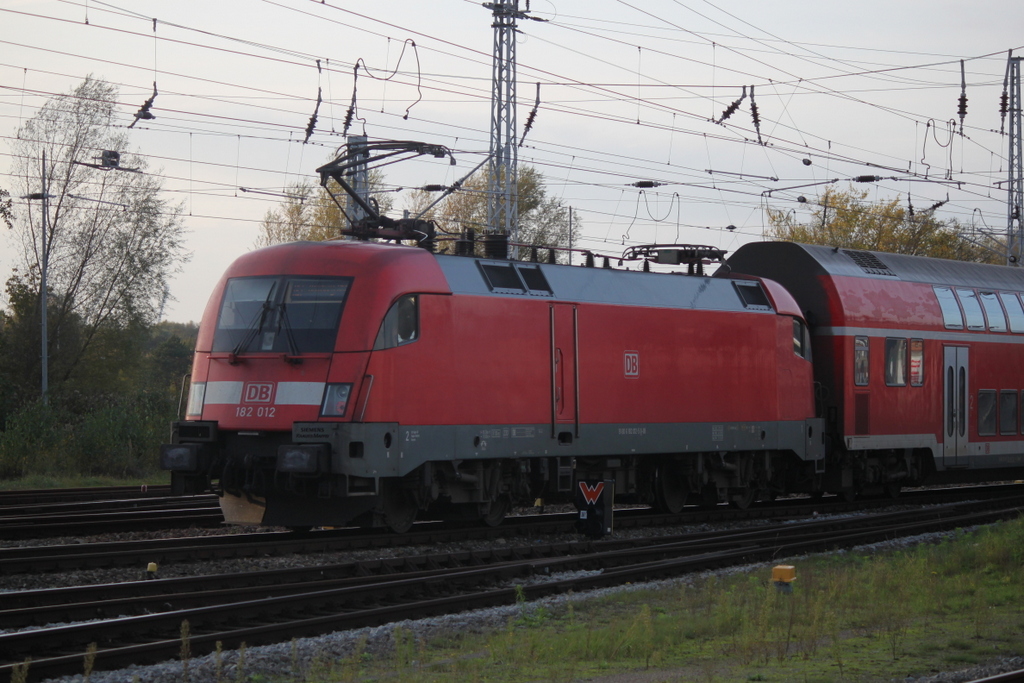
(309, 213)
(543, 220)
(6, 208)
(112, 243)
(846, 220)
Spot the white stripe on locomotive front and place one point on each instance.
(287, 394)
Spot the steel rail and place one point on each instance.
(55, 509)
(33, 496)
(417, 595)
(36, 559)
(83, 523)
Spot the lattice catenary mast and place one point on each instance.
(1015, 200)
(503, 193)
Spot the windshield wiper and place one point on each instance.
(256, 326)
(287, 325)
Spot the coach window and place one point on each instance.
(986, 412)
(860, 361)
(896, 362)
(972, 309)
(401, 324)
(916, 362)
(951, 315)
(994, 312)
(1008, 412)
(1013, 310)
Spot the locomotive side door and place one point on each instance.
(565, 382)
(955, 406)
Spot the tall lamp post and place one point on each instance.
(44, 196)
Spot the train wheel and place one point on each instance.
(399, 508)
(892, 490)
(709, 497)
(496, 511)
(669, 492)
(741, 501)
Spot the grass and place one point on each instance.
(851, 617)
(854, 617)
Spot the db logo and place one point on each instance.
(258, 392)
(631, 363)
(591, 493)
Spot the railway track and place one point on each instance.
(337, 597)
(81, 518)
(46, 496)
(138, 553)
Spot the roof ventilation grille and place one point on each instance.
(869, 263)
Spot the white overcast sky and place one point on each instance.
(628, 92)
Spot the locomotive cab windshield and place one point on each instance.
(280, 314)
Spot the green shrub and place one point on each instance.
(115, 436)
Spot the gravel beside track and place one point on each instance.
(287, 658)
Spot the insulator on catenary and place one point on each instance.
(755, 116)
(144, 111)
(316, 110)
(867, 179)
(1004, 99)
(961, 109)
(434, 188)
(646, 184)
(731, 109)
(352, 106)
(530, 119)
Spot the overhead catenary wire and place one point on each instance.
(547, 144)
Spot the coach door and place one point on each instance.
(955, 406)
(565, 382)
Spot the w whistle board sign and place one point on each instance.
(594, 501)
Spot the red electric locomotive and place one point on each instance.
(919, 362)
(354, 382)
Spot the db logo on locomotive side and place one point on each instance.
(631, 363)
(258, 392)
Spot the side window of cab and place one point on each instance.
(801, 339)
(401, 324)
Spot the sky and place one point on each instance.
(629, 92)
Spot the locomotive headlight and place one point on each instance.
(179, 457)
(196, 396)
(335, 400)
(303, 458)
